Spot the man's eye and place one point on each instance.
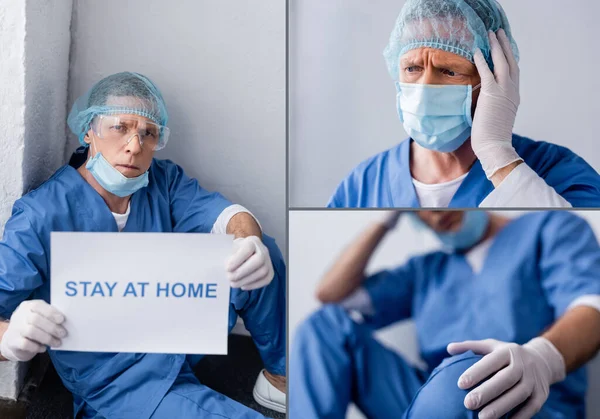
(449, 73)
(412, 69)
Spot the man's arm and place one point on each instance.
(34, 324)
(503, 172)
(242, 225)
(250, 265)
(576, 335)
(570, 271)
(348, 271)
(518, 185)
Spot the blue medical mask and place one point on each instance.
(112, 180)
(437, 117)
(472, 229)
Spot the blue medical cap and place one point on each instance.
(121, 93)
(456, 26)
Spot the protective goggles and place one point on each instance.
(122, 129)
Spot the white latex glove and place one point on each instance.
(249, 267)
(390, 219)
(491, 134)
(521, 372)
(33, 325)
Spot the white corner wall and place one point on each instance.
(34, 51)
(12, 104)
(220, 65)
(12, 135)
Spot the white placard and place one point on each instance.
(142, 292)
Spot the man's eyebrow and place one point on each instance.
(447, 63)
(408, 61)
(453, 64)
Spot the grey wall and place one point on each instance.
(221, 68)
(318, 237)
(342, 100)
(46, 77)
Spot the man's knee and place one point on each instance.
(328, 322)
(441, 393)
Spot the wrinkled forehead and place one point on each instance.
(438, 58)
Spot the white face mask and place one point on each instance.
(437, 117)
(112, 180)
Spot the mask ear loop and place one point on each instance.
(470, 102)
(94, 143)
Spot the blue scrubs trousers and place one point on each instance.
(336, 361)
(188, 398)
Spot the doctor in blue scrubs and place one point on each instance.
(114, 183)
(455, 65)
(507, 313)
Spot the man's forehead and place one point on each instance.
(440, 58)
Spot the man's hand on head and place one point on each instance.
(497, 105)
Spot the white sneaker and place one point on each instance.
(267, 395)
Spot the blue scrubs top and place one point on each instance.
(384, 181)
(116, 385)
(536, 266)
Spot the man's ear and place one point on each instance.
(87, 139)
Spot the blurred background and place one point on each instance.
(318, 237)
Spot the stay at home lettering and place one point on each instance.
(140, 289)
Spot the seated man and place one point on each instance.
(112, 184)
(457, 78)
(522, 295)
